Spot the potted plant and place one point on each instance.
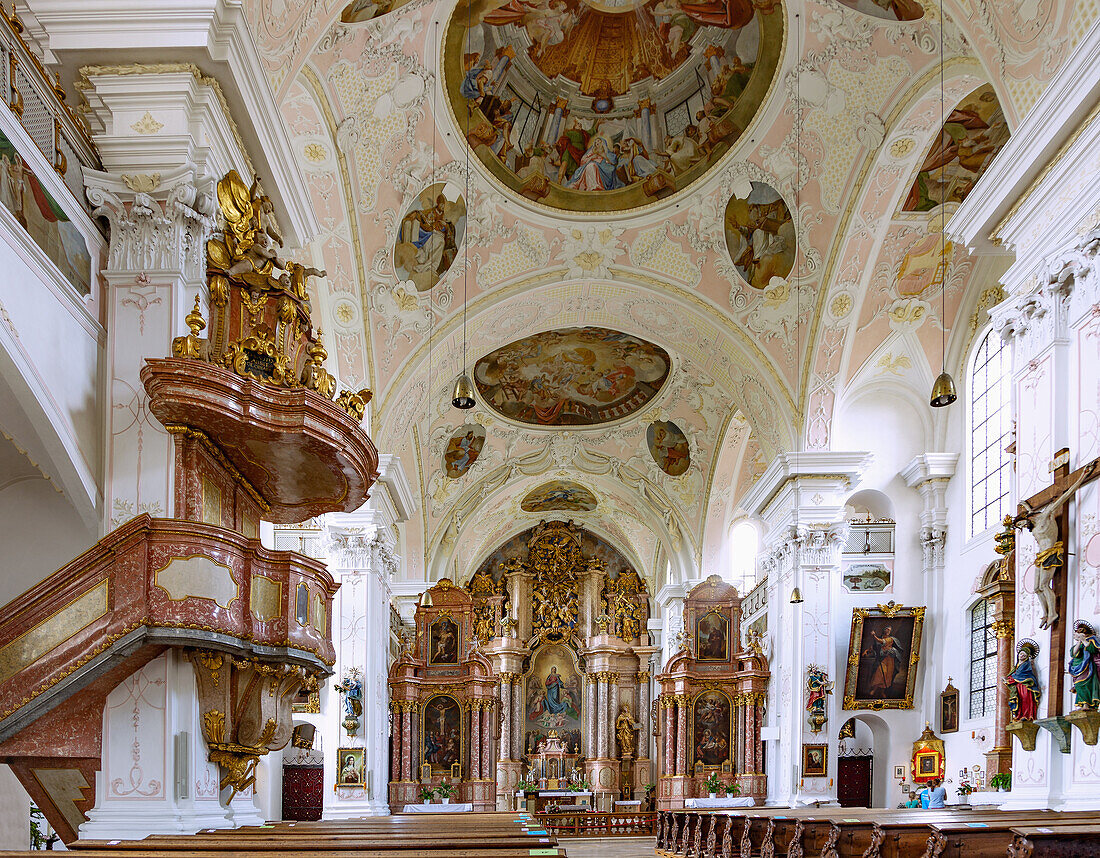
(579, 786)
(445, 791)
(650, 791)
(964, 789)
(733, 788)
(1001, 782)
(713, 784)
(427, 794)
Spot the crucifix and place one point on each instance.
(1046, 515)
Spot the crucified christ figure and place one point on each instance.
(1043, 524)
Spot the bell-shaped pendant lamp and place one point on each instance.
(796, 596)
(463, 396)
(943, 391)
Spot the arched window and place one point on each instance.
(990, 431)
(983, 661)
(744, 544)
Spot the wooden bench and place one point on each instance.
(1055, 840)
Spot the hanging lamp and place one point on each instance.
(943, 390)
(463, 395)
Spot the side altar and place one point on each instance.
(711, 705)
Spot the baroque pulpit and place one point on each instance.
(711, 703)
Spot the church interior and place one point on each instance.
(499, 427)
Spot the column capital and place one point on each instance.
(1003, 628)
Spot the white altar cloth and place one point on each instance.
(727, 801)
(438, 808)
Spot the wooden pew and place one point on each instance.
(1055, 840)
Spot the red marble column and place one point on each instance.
(406, 730)
(670, 733)
(757, 741)
(395, 731)
(681, 735)
(740, 753)
(487, 767)
(475, 739)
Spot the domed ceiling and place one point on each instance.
(604, 105)
(572, 377)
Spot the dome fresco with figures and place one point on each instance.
(572, 377)
(604, 105)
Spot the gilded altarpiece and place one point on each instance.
(561, 614)
(444, 701)
(711, 702)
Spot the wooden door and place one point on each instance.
(853, 781)
(303, 792)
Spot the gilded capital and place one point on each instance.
(1003, 628)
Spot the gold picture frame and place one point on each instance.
(949, 709)
(815, 761)
(883, 655)
(351, 767)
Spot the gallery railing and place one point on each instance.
(38, 102)
(592, 824)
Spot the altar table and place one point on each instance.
(438, 808)
(728, 801)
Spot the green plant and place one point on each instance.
(524, 786)
(964, 788)
(649, 788)
(38, 829)
(1001, 781)
(733, 788)
(580, 786)
(446, 790)
(713, 783)
(427, 793)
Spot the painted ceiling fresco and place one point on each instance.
(602, 106)
(572, 377)
(376, 114)
(430, 235)
(559, 495)
(760, 235)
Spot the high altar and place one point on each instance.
(547, 637)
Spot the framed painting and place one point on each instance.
(441, 734)
(553, 698)
(815, 761)
(712, 733)
(443, 641)
(949, 709)
(883, 654)
(712, 637)
(351, 768)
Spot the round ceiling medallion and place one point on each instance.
(429, 235)
(463, 448)
(572, 377)
(559, 494)
(606, 105)
(760, 235)
(669, 447)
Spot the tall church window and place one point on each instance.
(990, 431)
(744, 544)
(983, 661)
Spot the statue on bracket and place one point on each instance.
(1084, 666)
(818, 688)
(626, 729)
(1024, 692)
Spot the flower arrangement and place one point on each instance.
(446, 790)
(733, 788)
(964, 788)
(1000, 782)
(713, 783)
(426, 793)
(579, 786)
(524, 786)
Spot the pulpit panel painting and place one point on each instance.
(442, 741)
(712, 631)
(443, 642)
(553, 699)
(712, 733)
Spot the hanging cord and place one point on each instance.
(943, 222)
(466, 242)
(797, 263)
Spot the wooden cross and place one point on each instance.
(1047, 514)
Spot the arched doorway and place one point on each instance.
(860, 783)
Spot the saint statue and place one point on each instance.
(1084, 666)
(626, 730)
(1024, 692)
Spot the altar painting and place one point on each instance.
(443, 642)
(760, 235)
(972, 135)
(553, 698)
(883, 655)
(572, 377)
(442, 740)
(429, 235)
(712, 637)
(712, 733)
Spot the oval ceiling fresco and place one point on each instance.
(669, 447)
(572, 377)
(892, 10)
(760, 235)
(559, 494)
(366, 10)
(463, 448)
(605, 105)
(429, 236)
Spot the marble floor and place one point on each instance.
(608, 847)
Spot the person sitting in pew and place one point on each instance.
(914, 799)
(936, 795)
